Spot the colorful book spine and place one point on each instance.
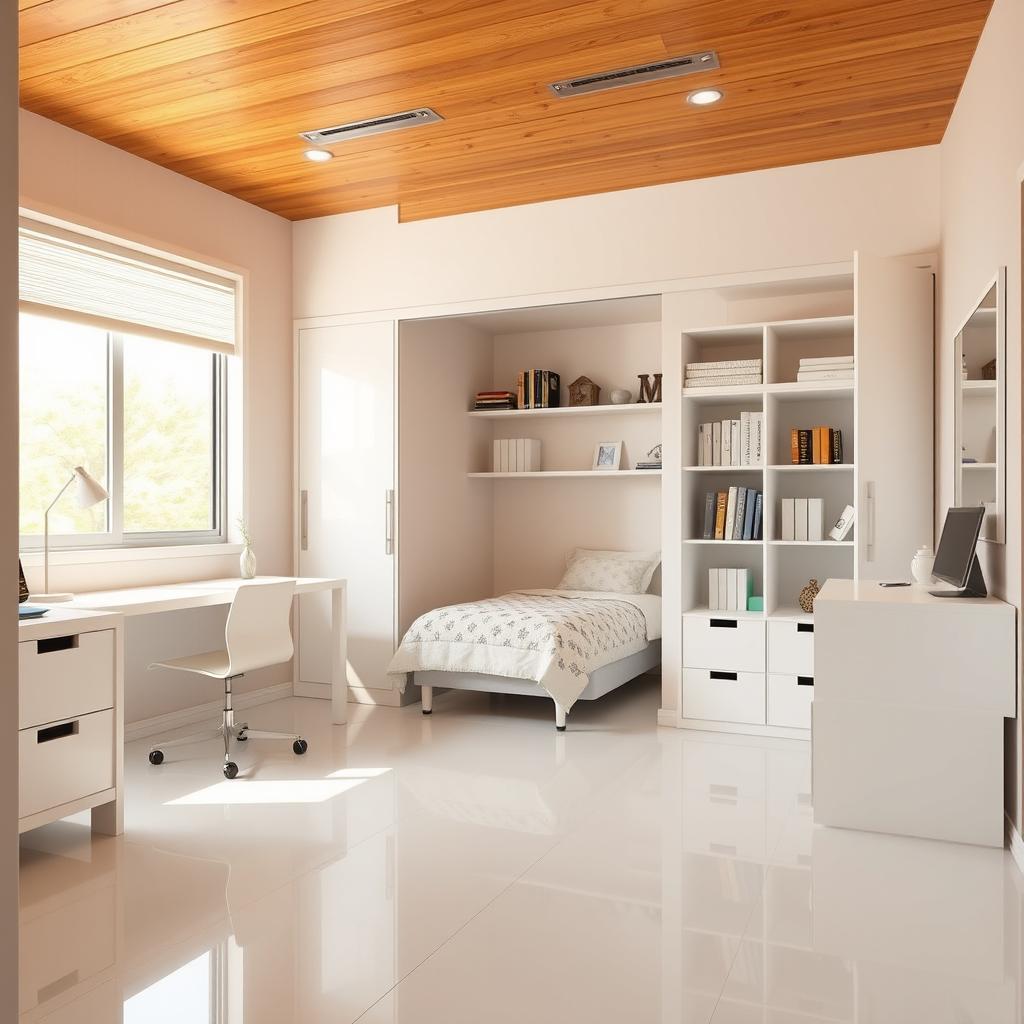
(721, 507)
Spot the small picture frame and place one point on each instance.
(607, 455)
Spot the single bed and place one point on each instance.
(565, 644)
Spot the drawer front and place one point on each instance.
(736, 645)
(791, 648)
(65, 761)
(67, 946)
(65, 676)
(718, 696)
(789, 701)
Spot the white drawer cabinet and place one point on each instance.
(721, 642)
(71, 674)
(722, 696)
(64, 761)
(71, 727)
(789, 701)
(791, 648)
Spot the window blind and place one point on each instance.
(124, 290)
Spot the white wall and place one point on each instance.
(8, 512)
(794, 216)
(981, 154)
(445, 530)
(68, 175)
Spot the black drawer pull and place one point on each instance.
(731, 676)
(805, 680)
(724, 623)
(57, 732)
(805, 627)
(57, 643)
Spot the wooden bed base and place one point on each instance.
(603, 680)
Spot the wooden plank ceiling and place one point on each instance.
(218, 90)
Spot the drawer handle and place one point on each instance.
(57, 643)
(716, 789)
(805, 627)
(805, 680)
(731, 676)
(57, 732)
(724, 623)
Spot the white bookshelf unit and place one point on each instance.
(752, 671)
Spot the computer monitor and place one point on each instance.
(956, 561)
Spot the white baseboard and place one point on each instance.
(201, 714)
(668, 717)
(1015, 844)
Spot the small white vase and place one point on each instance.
(921, 566)
(247, 563)
(620, 396)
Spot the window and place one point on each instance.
(126, 360)
(145, 418)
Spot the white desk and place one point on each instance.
(910, 694)
(208, 593)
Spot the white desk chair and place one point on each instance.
(257, 634)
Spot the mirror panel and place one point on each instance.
(980, 409)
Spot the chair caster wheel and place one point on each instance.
(230, 770)
(241, 738)
(560, 728)
(300, 747)
(156, 757)
(428, 711)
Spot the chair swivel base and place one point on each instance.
(228, 731)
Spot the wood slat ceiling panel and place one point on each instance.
(219, 89)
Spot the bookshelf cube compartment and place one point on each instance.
(716, 411)
(834, 488)
(791, 566)
(697, 486)
(701, 557)
(787, 343)
(806, 413)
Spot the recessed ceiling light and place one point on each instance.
(318, 156)
(704, 97)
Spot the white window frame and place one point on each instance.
(115, 537)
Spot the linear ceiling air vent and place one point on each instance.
(674, 67)
(372, 126)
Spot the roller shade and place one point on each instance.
(120, 289)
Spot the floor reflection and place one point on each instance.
(476, 867)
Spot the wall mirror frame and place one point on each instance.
(979, 383)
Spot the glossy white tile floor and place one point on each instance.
(478, 867)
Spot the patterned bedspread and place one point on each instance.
(556, 641)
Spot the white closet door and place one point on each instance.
(346, 422)
(894, 307)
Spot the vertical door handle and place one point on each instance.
(869, 508)
(304, 520)
(389, 522)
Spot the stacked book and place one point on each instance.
(737, 442)
(816, 446)
(729, 590)
(733, 514)
(723, 374)
(538, 389)
(825, 368)
(494, 400)
(516, 455)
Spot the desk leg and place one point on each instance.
(108, 819)
(339, 658)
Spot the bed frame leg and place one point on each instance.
(559, 718)
(427, 696)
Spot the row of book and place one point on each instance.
(825, 368)
(538, 389)
(494, 400)
(803, 519)
(723, 374)
(737, 442)
(816, 446)
(735, 514)
(516, 455)
(730, 590)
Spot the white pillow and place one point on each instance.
(607, 575)
(653, 558)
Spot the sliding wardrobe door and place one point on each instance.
(346, 456)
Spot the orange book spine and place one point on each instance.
(723, 499)
(794, 446)
(816, 446)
